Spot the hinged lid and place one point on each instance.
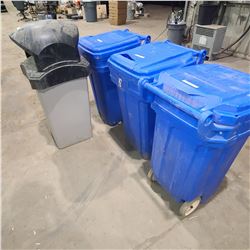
(207, 87)
(49, 41)
(154, 57)
(109, 41)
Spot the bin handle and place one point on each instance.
(202, 56)
(167, 41)
(145, 39)
(152, 87)
(220, 133)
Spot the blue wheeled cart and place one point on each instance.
(202, 122)
(129, 70)
(97, 49)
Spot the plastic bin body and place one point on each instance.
(90, 11)
(176, 32)
(137, 116)
(202, 122)
(66, 107)
(97, 49)
(129, 70)
(106, 97)
(54, 68)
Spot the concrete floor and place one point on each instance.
(95, 194)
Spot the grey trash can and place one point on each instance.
(176, 32)
(90, 11)
(55, 70)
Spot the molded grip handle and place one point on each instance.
(216, 133)
(146, 39)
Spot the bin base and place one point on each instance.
(66, 107)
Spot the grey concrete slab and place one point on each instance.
(95, 194)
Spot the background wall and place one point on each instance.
(236, 18)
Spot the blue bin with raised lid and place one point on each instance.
(129, 69)
(202, 122)
(97, 50)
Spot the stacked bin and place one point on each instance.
(55, 69)
(202, 122)
(129, 70)
(97, 49)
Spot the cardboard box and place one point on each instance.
(117, 20)
(118, 4)
(101, 11)
(116, 15)
(71, 11)
(117, 8)
(117, 12)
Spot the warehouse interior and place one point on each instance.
(96, 194)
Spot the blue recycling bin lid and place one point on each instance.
(105, 44)
(219, 97)
(150, 59)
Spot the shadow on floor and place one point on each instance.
(117, 133)
(45, 131)
(168, 199)
(94, 113)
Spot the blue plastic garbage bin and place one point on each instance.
(97, 49)
(129, 70)
(202, 122)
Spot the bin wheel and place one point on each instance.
(189, 207)
(151, 175)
